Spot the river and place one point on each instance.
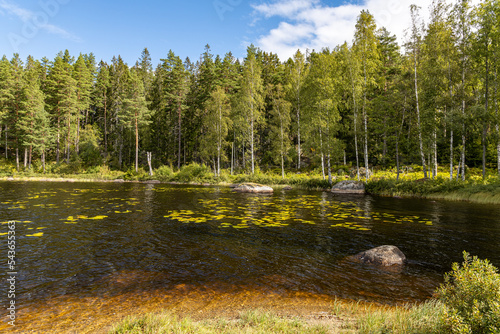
(86, 250)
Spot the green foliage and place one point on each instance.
(195, 173)
(471, 293)
(90, 153)
(134, 175)
(163, 173)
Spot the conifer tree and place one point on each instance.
(83, 79)
(6, 96)
(101, 99)
(61, 100)
(34, 123)
(135, 112)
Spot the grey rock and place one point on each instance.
(384, 256)
(152, 181)
(253, 188)
(349, 187)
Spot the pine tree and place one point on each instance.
(83, 78)
(135, 112)
(15, 110)
(35, 123)
(118, 74)
(61, 100)
(6, 96)
(101, 99)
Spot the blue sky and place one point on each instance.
(107, 28)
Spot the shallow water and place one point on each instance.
(104, 245)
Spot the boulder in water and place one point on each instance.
(253, 188)
(349, 187)
(384, 256)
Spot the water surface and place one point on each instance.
(103, 241)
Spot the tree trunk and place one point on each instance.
(322, 154)
(485, 125)
(149, 157)
(232, 157)
(435, 169)
(451, 154)
(495, 101)
(180, 134)
(77, 138)
(299, 152)
(365, 122)
(136, 144)
(421, 145)
(252, 139)
(105, 127)
(58, 148)
(120, 148)
(397, 158)
(43, 161)
(25, 157)
(329, 170)
(6, 143)
(17, 159)
(67, 140)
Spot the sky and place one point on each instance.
(42, 28)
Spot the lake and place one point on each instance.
(85, 251)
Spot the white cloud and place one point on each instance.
(27, 16)
(311, 24)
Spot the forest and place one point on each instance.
(370, 103)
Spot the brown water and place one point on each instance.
(89, 253)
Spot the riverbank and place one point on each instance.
(344, 317)
(474, 189)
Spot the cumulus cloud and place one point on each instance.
(27, 16)
(312, 24)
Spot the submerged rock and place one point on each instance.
(253, 188)
(349, 187)
(384, 256)
(151, 182)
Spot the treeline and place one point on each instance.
(432, 102)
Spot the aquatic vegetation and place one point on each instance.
(35, 234)
(270, 212)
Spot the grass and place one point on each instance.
(248, 322)
(344, 317)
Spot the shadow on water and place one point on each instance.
(135, 244)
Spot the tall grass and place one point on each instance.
(249, 322)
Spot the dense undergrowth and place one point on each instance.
(382, 182)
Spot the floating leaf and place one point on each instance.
(35, 234)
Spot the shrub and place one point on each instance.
(194, 173)
(132, 175)
(163, 173)
(471, 293)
